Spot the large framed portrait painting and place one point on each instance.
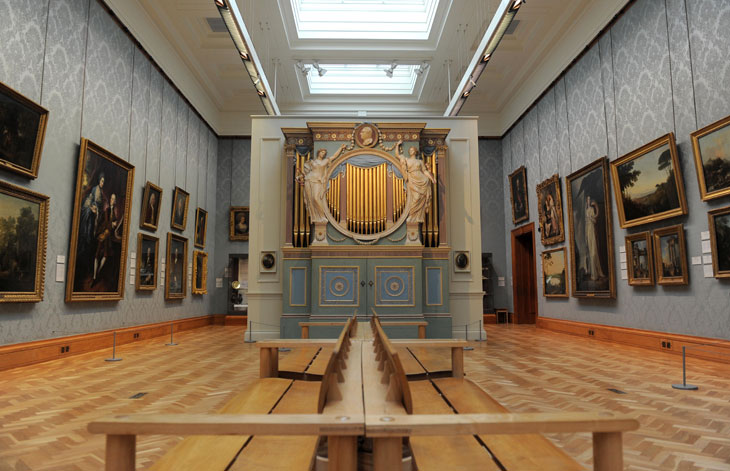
(100, 228)
(239, 219)
(711, 146)
(554, 273)
(147, 249)
(648, 183)
(720, 238)
(591, 238)
(23, 229)
(22, 131)
(201, 226)
(670, 253)
(179, 218)
(151, 200)
(550, 209)
(176, 269)
(518, 195)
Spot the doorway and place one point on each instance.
(238, 287)
(524, 275)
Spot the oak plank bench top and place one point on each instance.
(306, 325)
(420, 324)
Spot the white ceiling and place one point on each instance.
(206, 67)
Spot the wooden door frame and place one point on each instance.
(520, 231)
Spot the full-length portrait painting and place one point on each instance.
(176, 275)
(179, 218)
(670, 254)
(151, 200)
(720, 238)
(23, 229)
(200, 272)
(648, 183)
(100, 227)
(639, 260)
(554, 273)
(147, 249)
(518, 195)
(711, 146)
(22, 131)
(201, 226)
(591, 243)
(550, 209)
(239, 223)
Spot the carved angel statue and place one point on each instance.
(313, 176)
(418, 182)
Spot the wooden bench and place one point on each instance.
(306, 325)
(420, 324)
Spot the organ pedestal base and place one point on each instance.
(413, 234)
(320, 234)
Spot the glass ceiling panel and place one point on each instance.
(364, 19)
(362, 79)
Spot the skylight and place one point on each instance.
(364, 19)
(362, 79)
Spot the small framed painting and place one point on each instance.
(179, 218)
(648, 183)
(23, 231)
(176, 270)
(201, 225)
(147, 249)
(518, 195)
(22, 131)
(200, 272)
(670, 255)
(151, 200)
(239, 223)
(639, 259)
(711, 146)
(550, 209)
(554, 273)
(720, 239)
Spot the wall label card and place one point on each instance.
(697, 260)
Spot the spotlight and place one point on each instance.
(389, 71)
(466, 94)
(221, 3)
(486, 57)
(261, 93)
(320, 70)
(422, 68)
(517, 4)
(244, 55)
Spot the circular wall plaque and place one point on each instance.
(367, 135)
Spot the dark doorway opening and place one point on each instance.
(524, 275)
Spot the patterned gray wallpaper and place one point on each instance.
(662, 67)
(70, 56)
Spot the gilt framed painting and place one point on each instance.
(591, 234)
(720, 239)
(238, 223)
(518, 195)
(23, 233)
(201, 226)
(176, 267)
(670, 256)
(200, 272)
(555, 273)
(550, 210)
(648, 183)
(711, 147)
(151, 200)
(100, 227)
(179, 217)
(639, 260)
(147, 250)
(22, 131)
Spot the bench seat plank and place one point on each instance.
(515, 452)
(434, 359)
(319, 364)
(284, 452)
(215, 453)
(410, 364)
(297, 360)
(440, 453)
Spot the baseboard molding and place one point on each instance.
(490, 318)
(643, 338)
(30, 353)
(235, 320)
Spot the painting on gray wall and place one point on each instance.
(518, 195)
(670, 255)
(648, 183)
(554, 273)
(147, 249)
(23, 230)
(22, 130)
(201, 226)
(711, 146)
(150, 217)
(176, 275)
(639, 260)
(238, 222)
(200, 272)
(100, 228)
(720, 238)
(591, 236)
(179, 217)
(550, 209)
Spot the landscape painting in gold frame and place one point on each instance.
(555, 273)
(640, 262)
(670, 256)
(550, 210)
(590, 224)
(22, 132)
(23, 234)
(147, 250)
(518, 195)
(176, 268)
(200, 272)
(648, 183)
(720, 239)
(711, 148)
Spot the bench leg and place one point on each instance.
(457, 362)
(387, 453)
(269, 362)
(608, 451)
(342, 453)
(421, 331)
(305, 331)
(120, 451)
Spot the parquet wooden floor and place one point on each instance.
(44, 409)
